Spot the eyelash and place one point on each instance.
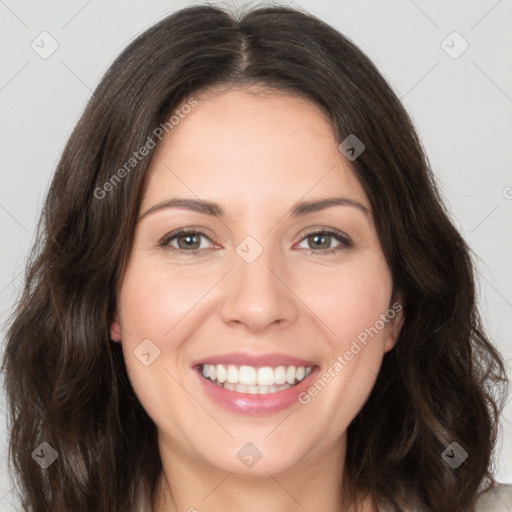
(345, 242)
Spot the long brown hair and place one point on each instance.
(66, 382)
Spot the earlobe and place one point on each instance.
(115, 328)
(395, 327)
(390, 343)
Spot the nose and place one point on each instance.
(259, 294)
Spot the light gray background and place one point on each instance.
(462, 108)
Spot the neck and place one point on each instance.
(192, 485)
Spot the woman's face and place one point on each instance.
(264, 288)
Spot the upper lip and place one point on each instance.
(259, 360)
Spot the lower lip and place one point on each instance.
(257, 404)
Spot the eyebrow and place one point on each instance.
(215, 210)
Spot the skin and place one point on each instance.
(255, 153)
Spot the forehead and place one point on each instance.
(251, 145)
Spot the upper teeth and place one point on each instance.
(251, 376)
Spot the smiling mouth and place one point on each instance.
(254, 380)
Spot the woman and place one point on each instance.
(248, 294)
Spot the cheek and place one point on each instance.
(155, 298)
(158, 303)
(151, 304)
(350, 299)
(354, 305)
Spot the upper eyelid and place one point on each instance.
(327, 230)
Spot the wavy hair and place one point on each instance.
(66, 382)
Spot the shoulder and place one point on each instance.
(497, 499)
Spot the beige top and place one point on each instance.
(498, 499)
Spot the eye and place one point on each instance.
(321, 241)
(188, 241)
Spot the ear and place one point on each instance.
(115, 328)
(396, 317)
